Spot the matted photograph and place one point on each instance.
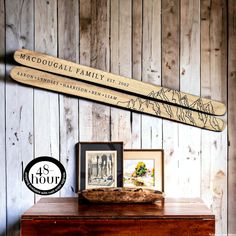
(144, 169)
(101, 169)
(100, 165)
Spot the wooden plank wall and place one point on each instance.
(182, 44)
(232, 114)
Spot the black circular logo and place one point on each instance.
(45, 175)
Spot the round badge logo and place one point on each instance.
(45, 175)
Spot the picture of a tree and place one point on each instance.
(140, 169)
(139, 173)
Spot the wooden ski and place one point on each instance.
(55, 65)
(64, 85)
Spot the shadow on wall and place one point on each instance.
(8, 59)
(9, 62)
(15, 227)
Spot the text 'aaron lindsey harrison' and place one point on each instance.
(51, 81)
(61, 66)
(80, 89)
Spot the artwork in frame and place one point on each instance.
(100, 164)
(144, 168)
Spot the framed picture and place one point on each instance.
(100, 164)
(144, 168)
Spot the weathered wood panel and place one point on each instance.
(205, 92)
(189, 137)
(100, 59)
(19, 114)
(3, 194)
(121, 63)
(85, 107)
(68, 48)
(46, 116)
(218, 35)
(151, 68)
(170, 43)
(136, 67)
(95, 38)
(213, 85)
(170, 78)
(232, 116)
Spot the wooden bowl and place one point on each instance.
(120, 195)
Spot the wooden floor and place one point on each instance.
(182, 44)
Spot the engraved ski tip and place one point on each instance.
(13, 72)
(220, 108)
(17, 53)
(224, 109)
(223, 126)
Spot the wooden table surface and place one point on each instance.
(67, 217)
(70, 208)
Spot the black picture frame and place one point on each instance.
(86, 147)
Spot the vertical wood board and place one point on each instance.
(205, 92)
(46, 116)
(100, 59)
(19, 114)
(151, 68)
(136, 67)
(3, 172)
(232, 116)
(170, 29)
(68, 49)
(213, 82)
(85, 107)
(121, 63)
(189, 137)
(95, 118)
(170, 78)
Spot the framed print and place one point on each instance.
(100, 165)
(144, 168)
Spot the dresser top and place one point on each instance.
(70, 208)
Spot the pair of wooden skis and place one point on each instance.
(107, 88)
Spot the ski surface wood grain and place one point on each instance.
(64, 85)
(52, 64)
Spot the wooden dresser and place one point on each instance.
(65, 216)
